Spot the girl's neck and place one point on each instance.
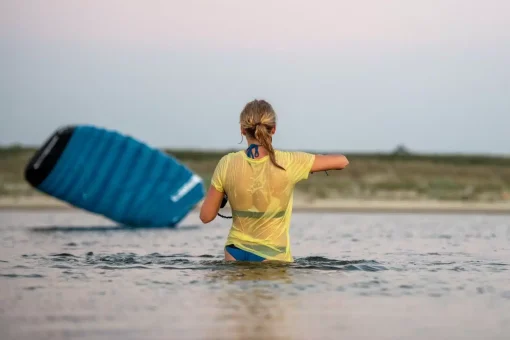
(261, 150)
(251, 141)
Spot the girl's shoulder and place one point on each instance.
(292, 157)
(230, 156)
(292, 153)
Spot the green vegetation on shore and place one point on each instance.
(398, 175)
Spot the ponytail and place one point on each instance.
(258, 119)
(264, 138)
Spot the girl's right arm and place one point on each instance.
(329, 162)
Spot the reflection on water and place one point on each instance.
(252, 272)
(250, 306)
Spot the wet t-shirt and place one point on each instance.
(261, 196)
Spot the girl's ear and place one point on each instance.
(273, 130)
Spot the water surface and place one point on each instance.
(70, 274)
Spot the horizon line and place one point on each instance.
(395, 151)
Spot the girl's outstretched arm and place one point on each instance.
(329, 162)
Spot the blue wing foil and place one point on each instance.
(117, 176)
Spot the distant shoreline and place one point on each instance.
(398, 181)
(301, 205)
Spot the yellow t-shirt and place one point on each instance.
(261, 195)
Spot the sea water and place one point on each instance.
(73, 275)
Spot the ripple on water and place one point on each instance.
(63, 255)
(30, 276)
(125, 261)
(61, 266)
(323, 263)
(130, 260)
(21, 267)
(107, 267)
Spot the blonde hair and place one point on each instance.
(258, 119)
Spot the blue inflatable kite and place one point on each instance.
(114, 175)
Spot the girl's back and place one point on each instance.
(260, 196)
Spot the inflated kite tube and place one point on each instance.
(114, 175)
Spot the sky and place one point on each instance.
(343, 76)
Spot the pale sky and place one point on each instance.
(342, 75)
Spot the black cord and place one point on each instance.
(223, 203)
(324, 171)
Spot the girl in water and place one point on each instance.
(259, 183)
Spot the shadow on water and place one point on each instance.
(105, 228)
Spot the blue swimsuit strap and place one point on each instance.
(250, 149)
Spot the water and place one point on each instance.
(72, 275)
